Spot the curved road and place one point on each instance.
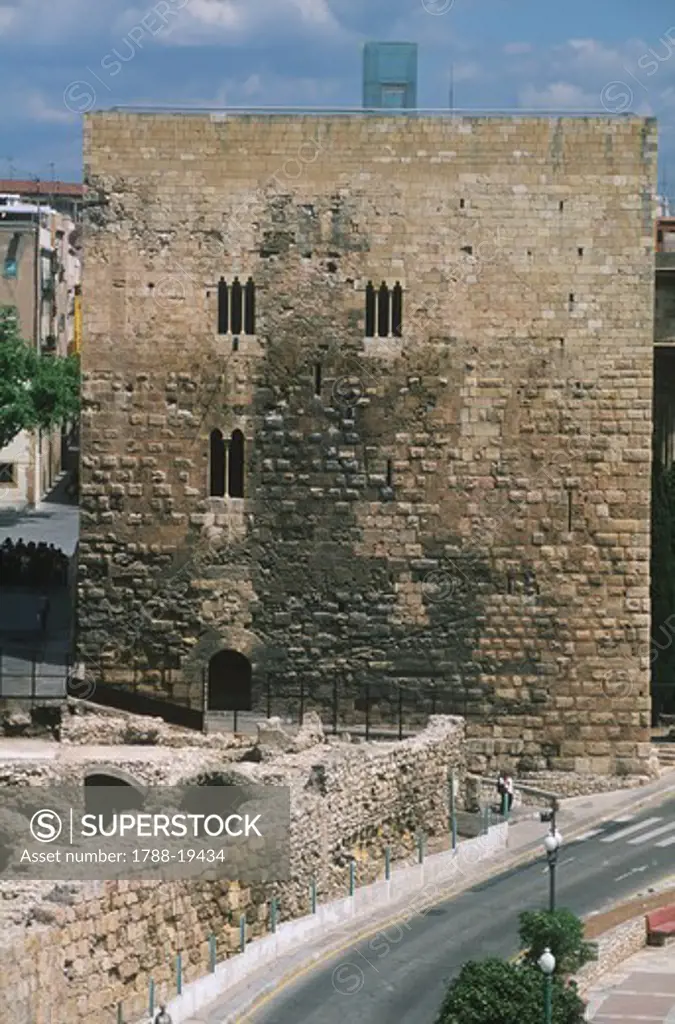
(400, 974)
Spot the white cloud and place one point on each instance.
(37, 108)
(558, 96)
(7, 16)
(206, 21)
(467, 71)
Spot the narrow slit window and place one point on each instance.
(217, 465)
(235, 465)
(397, 310)
(383, 311)
(370, 310)
(317, 379)
(236, 306)
(570, 510)
(222, 306)
(390, 473)
(561, 206)
(571, 300)
(249, 307)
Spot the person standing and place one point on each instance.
(162, 1016)
(510, 792)
(501, 789)
(44, 614)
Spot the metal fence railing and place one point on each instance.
(34, 680)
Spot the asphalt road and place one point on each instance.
(400, 974)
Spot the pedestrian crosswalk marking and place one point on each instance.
(622, 833)
(589, 835)
(626, 818)
(652, 835)
(666, 842)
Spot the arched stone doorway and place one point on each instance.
(229, 685)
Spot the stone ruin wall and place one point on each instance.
(507, 567)
(70, 953)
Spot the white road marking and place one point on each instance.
(666, 842)
(589, 835)
(633, 871)
(567, 861)
(629, 831)
(626, 817)
(651, 835)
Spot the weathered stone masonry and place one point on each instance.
(71, 952)
(507, 565)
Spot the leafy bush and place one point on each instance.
(496, 992)
(562, 932)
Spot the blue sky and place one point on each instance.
(61, 57)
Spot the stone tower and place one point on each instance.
(368, 419)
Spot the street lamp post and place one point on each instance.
(547, 967)
(552, 844)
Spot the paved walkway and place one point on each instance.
(640, 991)
(19, 749)
(56, 520)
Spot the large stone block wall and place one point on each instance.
(501, 570)
(70, 953)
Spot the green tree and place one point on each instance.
(496, 992)
(562, 932)
(35, 391)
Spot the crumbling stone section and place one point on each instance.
(462, 511)
(70, 953)
(85, 724)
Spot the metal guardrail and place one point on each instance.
(39, 681)
(377, 111)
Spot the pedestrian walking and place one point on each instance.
(162, 1016)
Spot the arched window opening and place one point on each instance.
(235, 465)
(396, 310)
(222, 306)
(229, 686)
(217, 465)
(249, 307)
(370, 310)
(383, 311)
(236, 306)
(106, 795)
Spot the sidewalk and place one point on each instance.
(640, 991)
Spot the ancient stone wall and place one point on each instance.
(70, 953)
(459, 513)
